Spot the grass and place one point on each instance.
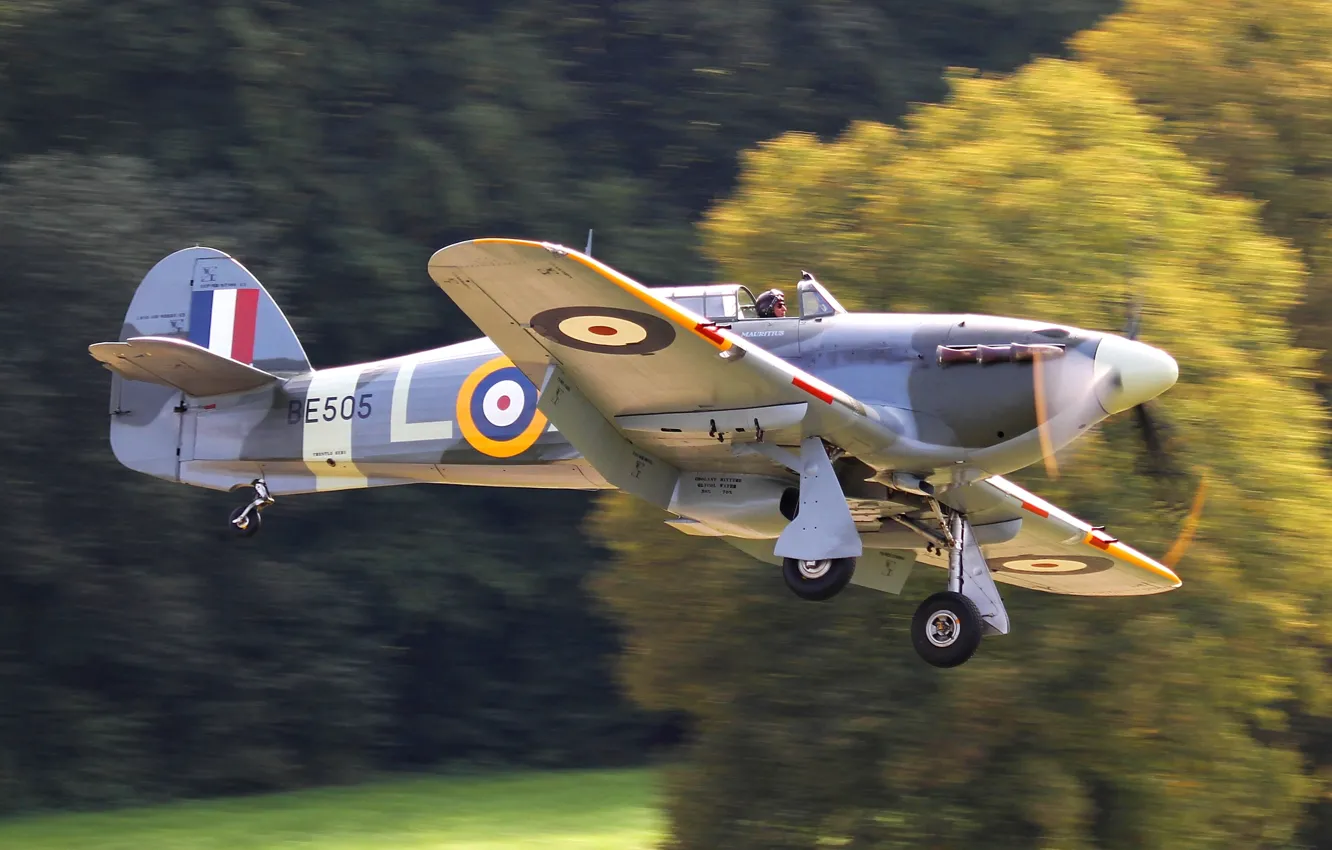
(589, 810)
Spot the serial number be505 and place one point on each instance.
(328, 408)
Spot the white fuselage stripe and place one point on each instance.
(402, 431)
(329, 436)
(223, 322)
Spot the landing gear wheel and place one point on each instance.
(946, 629)
(247, 527)
(818, 580)
(245, 520)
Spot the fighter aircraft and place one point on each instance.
(842, 447)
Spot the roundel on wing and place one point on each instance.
(605, 330)
(1062, 565)
(497, 410)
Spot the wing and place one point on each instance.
(1052, 551)
(670, 380)
(1056, 552)
(179, 364)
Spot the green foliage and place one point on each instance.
(138, 656)
(332, 147)
(1169, 721)
(377, 132)
(1245, 88)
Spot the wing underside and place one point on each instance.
(671, 381)
(1056, 552)
(1052, 550)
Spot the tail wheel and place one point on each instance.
(247, 527)
(946, 629)
(818, 580)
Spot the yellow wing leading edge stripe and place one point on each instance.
(1091, 536)
(678, 314)
(719, 337)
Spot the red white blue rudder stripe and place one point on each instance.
(223, 321)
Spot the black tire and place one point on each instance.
(946, 629)
(252, 523)
(822, 582)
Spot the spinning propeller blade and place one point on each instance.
(1154, 434)
(1158, 460)
(1051, 398)
(1042, 415)
(1190, 526)
(1134, 321)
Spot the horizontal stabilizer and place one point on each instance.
(180, 364)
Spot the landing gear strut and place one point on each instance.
(820, 545)
(947, 627)
(245, 520)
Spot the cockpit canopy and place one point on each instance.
(730, 302)
(717, 302)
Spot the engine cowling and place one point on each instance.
(736, 504)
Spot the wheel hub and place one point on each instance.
(943, 628)
(815, 569)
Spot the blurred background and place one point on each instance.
(1050, 159)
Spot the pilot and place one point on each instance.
(772, 304)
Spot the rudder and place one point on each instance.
(206, 297)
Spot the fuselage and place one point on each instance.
(463, 414)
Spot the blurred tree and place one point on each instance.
(1120, 723)
(377, 132)
(1245, 88)
(140, 658)
(351, 140)
(132, 650)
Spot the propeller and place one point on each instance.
(1042, 416)
(1158, 461)
(1185, 537)
(1151, 430)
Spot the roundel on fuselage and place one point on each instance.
(497, 410)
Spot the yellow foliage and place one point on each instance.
(1244, 87)
(1047, 194)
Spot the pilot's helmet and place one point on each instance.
(768, 301)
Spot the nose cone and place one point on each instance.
(1143, 373)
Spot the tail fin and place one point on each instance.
(204, 297)
(208, 298)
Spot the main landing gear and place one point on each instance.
(948, 626)
(820, 545)
(245, 520)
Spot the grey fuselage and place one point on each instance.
(448, 415)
